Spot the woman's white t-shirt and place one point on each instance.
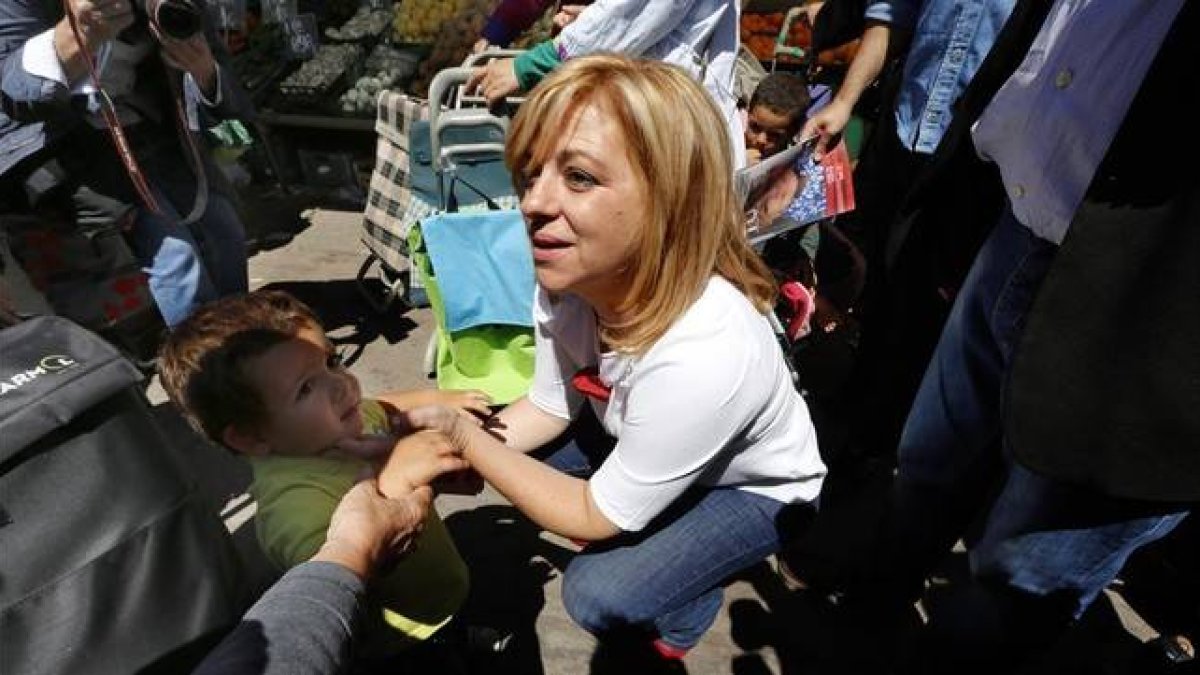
(711, 403)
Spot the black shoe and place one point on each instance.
(474, 640)
(1166, 655)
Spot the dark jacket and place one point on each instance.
(1105, 387)
(36, 113)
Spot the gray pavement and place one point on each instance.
(516, 568)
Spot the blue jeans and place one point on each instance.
(190, 265)
(668, 577)
(1042, 538)
(186, 265)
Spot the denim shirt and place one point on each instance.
(950, 39)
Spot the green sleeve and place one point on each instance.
(535, 64)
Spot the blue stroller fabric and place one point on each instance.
(485, 267)
(488, 175)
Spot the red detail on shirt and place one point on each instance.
(588, 383)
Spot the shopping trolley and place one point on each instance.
(441, 227)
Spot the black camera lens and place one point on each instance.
(179, 19)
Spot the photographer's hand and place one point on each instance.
(192, 55)
(98, 21)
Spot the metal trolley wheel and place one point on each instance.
(395, 284)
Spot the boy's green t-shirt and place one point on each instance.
(296, 497)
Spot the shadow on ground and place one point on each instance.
(348, 318)
(510, 565)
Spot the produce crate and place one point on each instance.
(314, 86)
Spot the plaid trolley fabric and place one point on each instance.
(393, 207)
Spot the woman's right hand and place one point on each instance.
(473, 404)
(439, 417)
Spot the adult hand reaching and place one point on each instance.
(565, 15)
(368, 529)
(494, 81)
(438, 417)
(828, 123)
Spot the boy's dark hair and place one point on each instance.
(783, 94)
(202, 361)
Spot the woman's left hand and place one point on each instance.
(192, 55)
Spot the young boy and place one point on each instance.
(775, 115)
(256, 374)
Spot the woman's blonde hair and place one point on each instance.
(677, 142)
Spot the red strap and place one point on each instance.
(115, 130)
(588, 383)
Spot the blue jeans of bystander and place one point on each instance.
(190, 265)
(1042, 539)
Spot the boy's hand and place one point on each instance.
(566, 14)
(494, 81)
(419, 458)
(441, 418)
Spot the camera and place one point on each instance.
(179, 19)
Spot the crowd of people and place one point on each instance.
(1022, 382)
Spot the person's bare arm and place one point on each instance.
(417, 459)
(526, 427)
(831, 120)
(555, 501)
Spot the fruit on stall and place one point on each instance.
(386, 67)
(451, 40)
(366, 23)
(425, 20)
(540, 31)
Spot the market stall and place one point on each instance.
(319, 67)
